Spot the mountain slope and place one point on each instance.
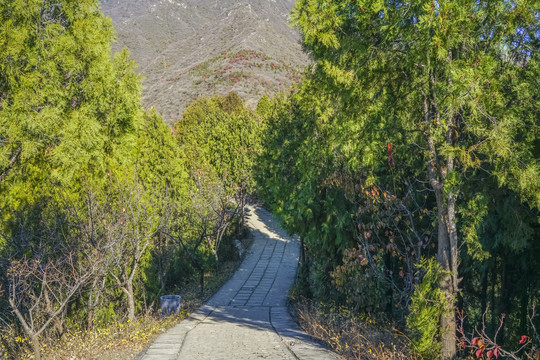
(191, 48)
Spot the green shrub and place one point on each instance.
(427, 306)
(365, 290)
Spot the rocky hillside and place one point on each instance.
(191, 48)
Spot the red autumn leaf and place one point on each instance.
(524, 339)
(496, 352)
(489, 354)
(479, 353)
(463, 344)
(390, 155)
(475, 340)
(481, 344)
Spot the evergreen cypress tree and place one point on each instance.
(68, 115)
(66, 109)
(452, 79)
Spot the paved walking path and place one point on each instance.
(248, 317)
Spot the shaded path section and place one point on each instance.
(248, 317)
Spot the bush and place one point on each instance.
(365, 290)
(428, 303)
(352, 336)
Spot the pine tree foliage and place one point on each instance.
(159, 161)
(478, 59)
(71, 130)
(427, 305)
(65, 108)
(434, 103)
(222, 134)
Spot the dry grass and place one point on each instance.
(351, 336)
(119, 341)
(122, 340)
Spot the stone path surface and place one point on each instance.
(248, 317)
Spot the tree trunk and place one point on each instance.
(484, 291)
(450, 281)
(131, 300)
(494, 315)
(447, 252)
(36, 346)
(92, 302)
(202, 280)
(524, 307)
(448, 326)
(444, 257)
(504, 298)
(90, 319)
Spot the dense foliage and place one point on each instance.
(415, 136)
(103, 208)
(407, 161)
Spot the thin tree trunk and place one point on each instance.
(484, 294)
(202, 280)
(90, 319)
(447, 250)
(14, 158)
(524, 306)
(446, 254)
(93, 301)
(494, 314)
(447, 321)
(450, 282)
(36, 346)
(131, 300)
(504, 297)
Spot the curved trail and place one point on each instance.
(248, 317)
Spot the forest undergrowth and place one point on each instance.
(123, 340)
(353, 336)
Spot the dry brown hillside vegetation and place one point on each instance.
(187, 49)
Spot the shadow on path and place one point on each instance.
(248, 317)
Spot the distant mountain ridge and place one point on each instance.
(191, 48)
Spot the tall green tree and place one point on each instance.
(220, 139)
(298, 174)
(220, 133)
(66, 110)
(454, 80)
(162, 171)
(69, 111)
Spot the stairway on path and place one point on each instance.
(248, 317)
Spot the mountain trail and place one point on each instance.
(248, 317)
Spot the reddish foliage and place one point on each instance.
(479, 353)
(483, 345)
(390, 155)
